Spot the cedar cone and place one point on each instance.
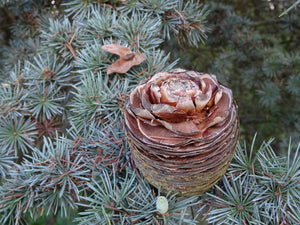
(182, 128)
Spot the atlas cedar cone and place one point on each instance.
(182, 127)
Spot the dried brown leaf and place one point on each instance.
(127, 58)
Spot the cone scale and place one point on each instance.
(182, 128)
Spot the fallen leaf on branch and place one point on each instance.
(127, 58)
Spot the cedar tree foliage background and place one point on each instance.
(64, 157)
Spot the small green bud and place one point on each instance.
(162, 205)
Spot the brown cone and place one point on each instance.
(182, 127)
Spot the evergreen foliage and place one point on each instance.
(63, 148)
(259, 188)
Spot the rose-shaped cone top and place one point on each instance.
(182, 127)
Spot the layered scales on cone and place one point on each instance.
(182, 127)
